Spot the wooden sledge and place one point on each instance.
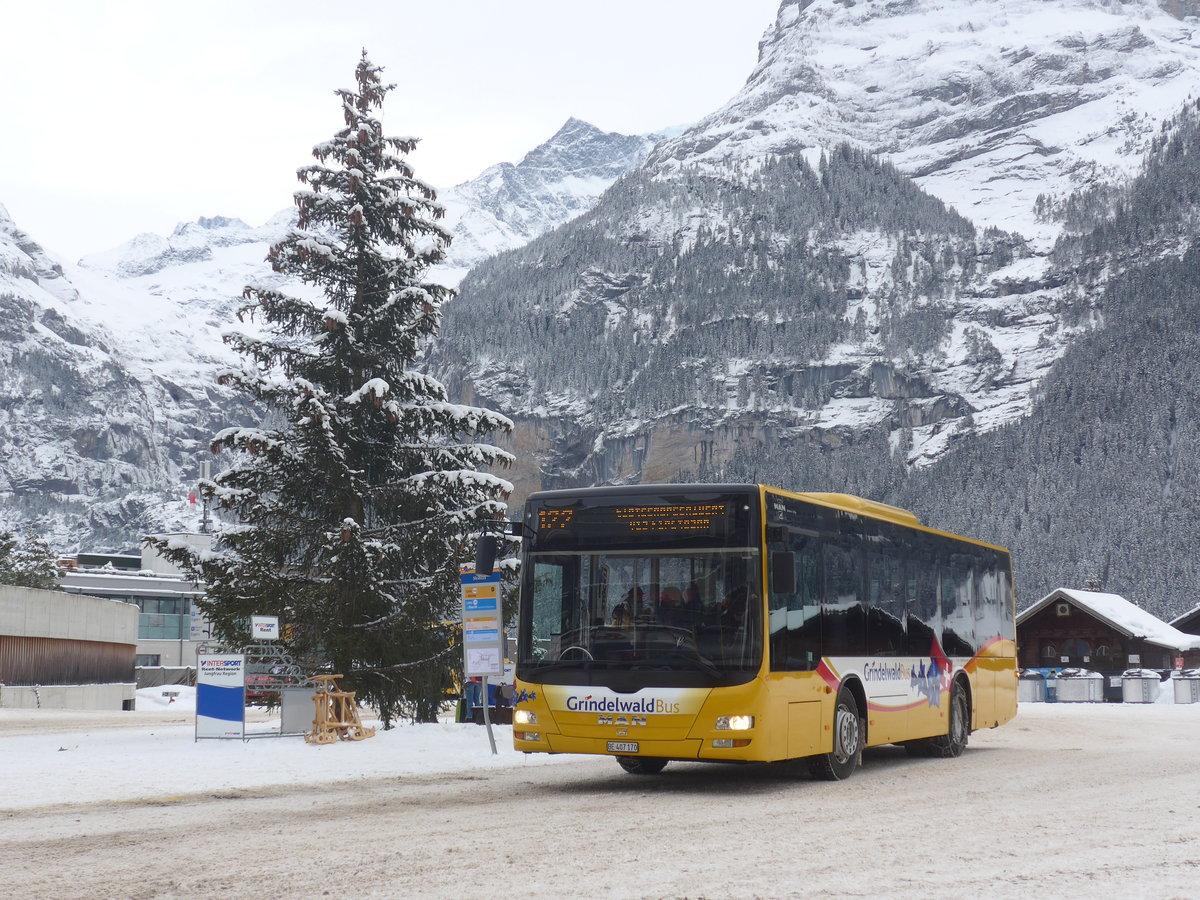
(336, 715)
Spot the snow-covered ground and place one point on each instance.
(1069, 801)
(54, 757)
(66, 756)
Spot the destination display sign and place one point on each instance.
(715, 521)
(647, 519)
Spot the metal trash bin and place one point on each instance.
(1140, 686)
(1187, 686)
(1031, 688)
(1080, 686)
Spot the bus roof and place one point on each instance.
(847, 502)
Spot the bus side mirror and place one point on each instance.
(485, 554)
(783, 572)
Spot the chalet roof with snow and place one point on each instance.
(1117, 612)
(1189, 621)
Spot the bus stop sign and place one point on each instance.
(483, 628)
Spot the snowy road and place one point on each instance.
(1064, 802)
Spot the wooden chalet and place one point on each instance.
(1101, 632)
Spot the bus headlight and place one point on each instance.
(735, 723)
(527, 735)
(524, 717)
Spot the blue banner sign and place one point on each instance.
(221, 696)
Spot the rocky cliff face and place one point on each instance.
(77, 426)
(108, 396)
(717, 310)
(689, 318)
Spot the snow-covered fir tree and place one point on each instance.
(27, 563)
(349, 518)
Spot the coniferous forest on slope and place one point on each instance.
(1099, 483)
(756, 280)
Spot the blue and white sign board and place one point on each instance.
(221, 696)
(483, 629)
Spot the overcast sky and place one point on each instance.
(122, 118)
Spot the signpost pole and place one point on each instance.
(487, 718)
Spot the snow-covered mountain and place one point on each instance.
(988, 105)
(104, 405)
(509, 205)
(874, 254)
(108, 388)
(999, 109)
(891, 264)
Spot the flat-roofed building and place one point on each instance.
(170, 626)
(59, 651)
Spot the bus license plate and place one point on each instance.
(622, 747)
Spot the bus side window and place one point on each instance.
(924, 616)
(991, 620)
(885, 602)
(843, 617)
(795, 616)
(958, 596)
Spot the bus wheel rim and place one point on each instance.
(846, 735)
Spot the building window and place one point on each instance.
(1049, 651)
(152, 626)
(148, 659)
(1062, 609)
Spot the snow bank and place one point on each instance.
(153, 753)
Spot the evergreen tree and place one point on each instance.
(350, 518)
(27, 564)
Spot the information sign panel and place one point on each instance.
(483, 628)
(221, 696)
(264, 628)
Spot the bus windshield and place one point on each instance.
(682, 618)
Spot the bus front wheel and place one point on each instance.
(641, 765)
(848, 740)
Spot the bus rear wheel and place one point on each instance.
(641, 765)
(954, 741)
(848, 740)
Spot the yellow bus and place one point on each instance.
(747, 623)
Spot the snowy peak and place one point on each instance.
(988, 103)
(509, 205)
(190, 242)
(581, 147)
